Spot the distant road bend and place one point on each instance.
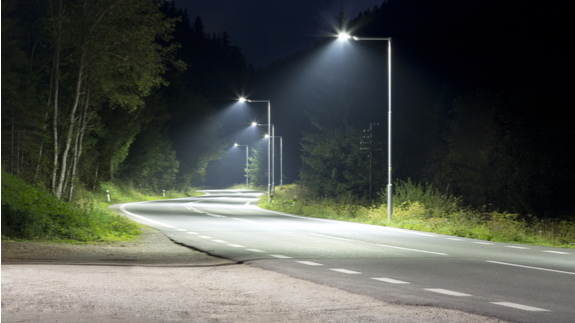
(509, 281)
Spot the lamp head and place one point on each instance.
(236, 144)
(267, 136)
(343, 36)
(242, 99)
(254, 124)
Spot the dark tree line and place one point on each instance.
(99, 89)
(480, 107)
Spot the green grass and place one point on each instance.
(30, 213)
(423, 208)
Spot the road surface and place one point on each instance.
(508, 281)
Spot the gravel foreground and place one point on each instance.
(156, 280)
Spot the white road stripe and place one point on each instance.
(391, 281)
(236, 245)
(280, 256)
(144, 218)
(323, 235)
(455, 239)
(190, 232)
(181, 229)
(521, 307)
(432, 252)
(446, 292)
(205, 237)
(557, 252)
(517, 247)
(529, 267)
(487, 243)
(220, 241)
(256, 250)
(345, 271)
(216, 215)
(309, 263)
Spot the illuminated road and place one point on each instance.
(511, 282)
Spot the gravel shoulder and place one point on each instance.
(156, 280)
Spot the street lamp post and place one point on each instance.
(247, 164)
(281, 158)
(346, 36)
(273, 152)
(269, 156)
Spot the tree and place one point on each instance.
(257, 173)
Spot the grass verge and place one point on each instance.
(30, 213)
(423, 208)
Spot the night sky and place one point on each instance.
(268, 30)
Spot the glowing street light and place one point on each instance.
(242, 99)
(247, 163)
(346, 36)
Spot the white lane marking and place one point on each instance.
(181, 229)
(345, 271)
(216, 215)
(520, 306)
(205, 237)
(455, 239)
(432, 252)
(144, 218)
(235, 245)
(517, 247)
(309, 263)
(446, 292)
(220, 241)
(487, 243)
(391, 281)
(256, 250)
(280, 256)
(557, 252)
(529, 267)
(269, 225)
(190, 232)
(323, 235)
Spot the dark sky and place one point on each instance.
(268, 30)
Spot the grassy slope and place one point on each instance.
(430, 212)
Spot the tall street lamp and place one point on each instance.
(247, 163)
(346, 36)
(269, 156)
(281, 159)
(273, 151)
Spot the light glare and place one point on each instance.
(242, 99)
(343, 36)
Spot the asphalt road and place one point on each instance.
(508, 281)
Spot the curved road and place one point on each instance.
(512, 282)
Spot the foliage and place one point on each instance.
(257, 173)
(426, 209)
(31, 213)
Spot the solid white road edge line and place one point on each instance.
(309, 263)
(345, 271)
(144, 218)
(280, 256)
(529, 267)
(432, 252)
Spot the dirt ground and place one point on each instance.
(156, 280)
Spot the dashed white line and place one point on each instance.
(391, 281)
(345, 271)
(190, 232)
(180, 229)
(517, 247)
(486, 243)
(529, 267)
(557, 252)
(455, 239)
(446, 292)
(280, 256)
(216, 215)
(521, 307)
(205, 237)
(235, 245)
(220, 241)
(309, 263)
(432, 252)
(256, 250)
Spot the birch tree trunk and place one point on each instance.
(56, 83)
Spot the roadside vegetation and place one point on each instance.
(30, 213)
(424, 208)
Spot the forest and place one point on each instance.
(95, 90)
